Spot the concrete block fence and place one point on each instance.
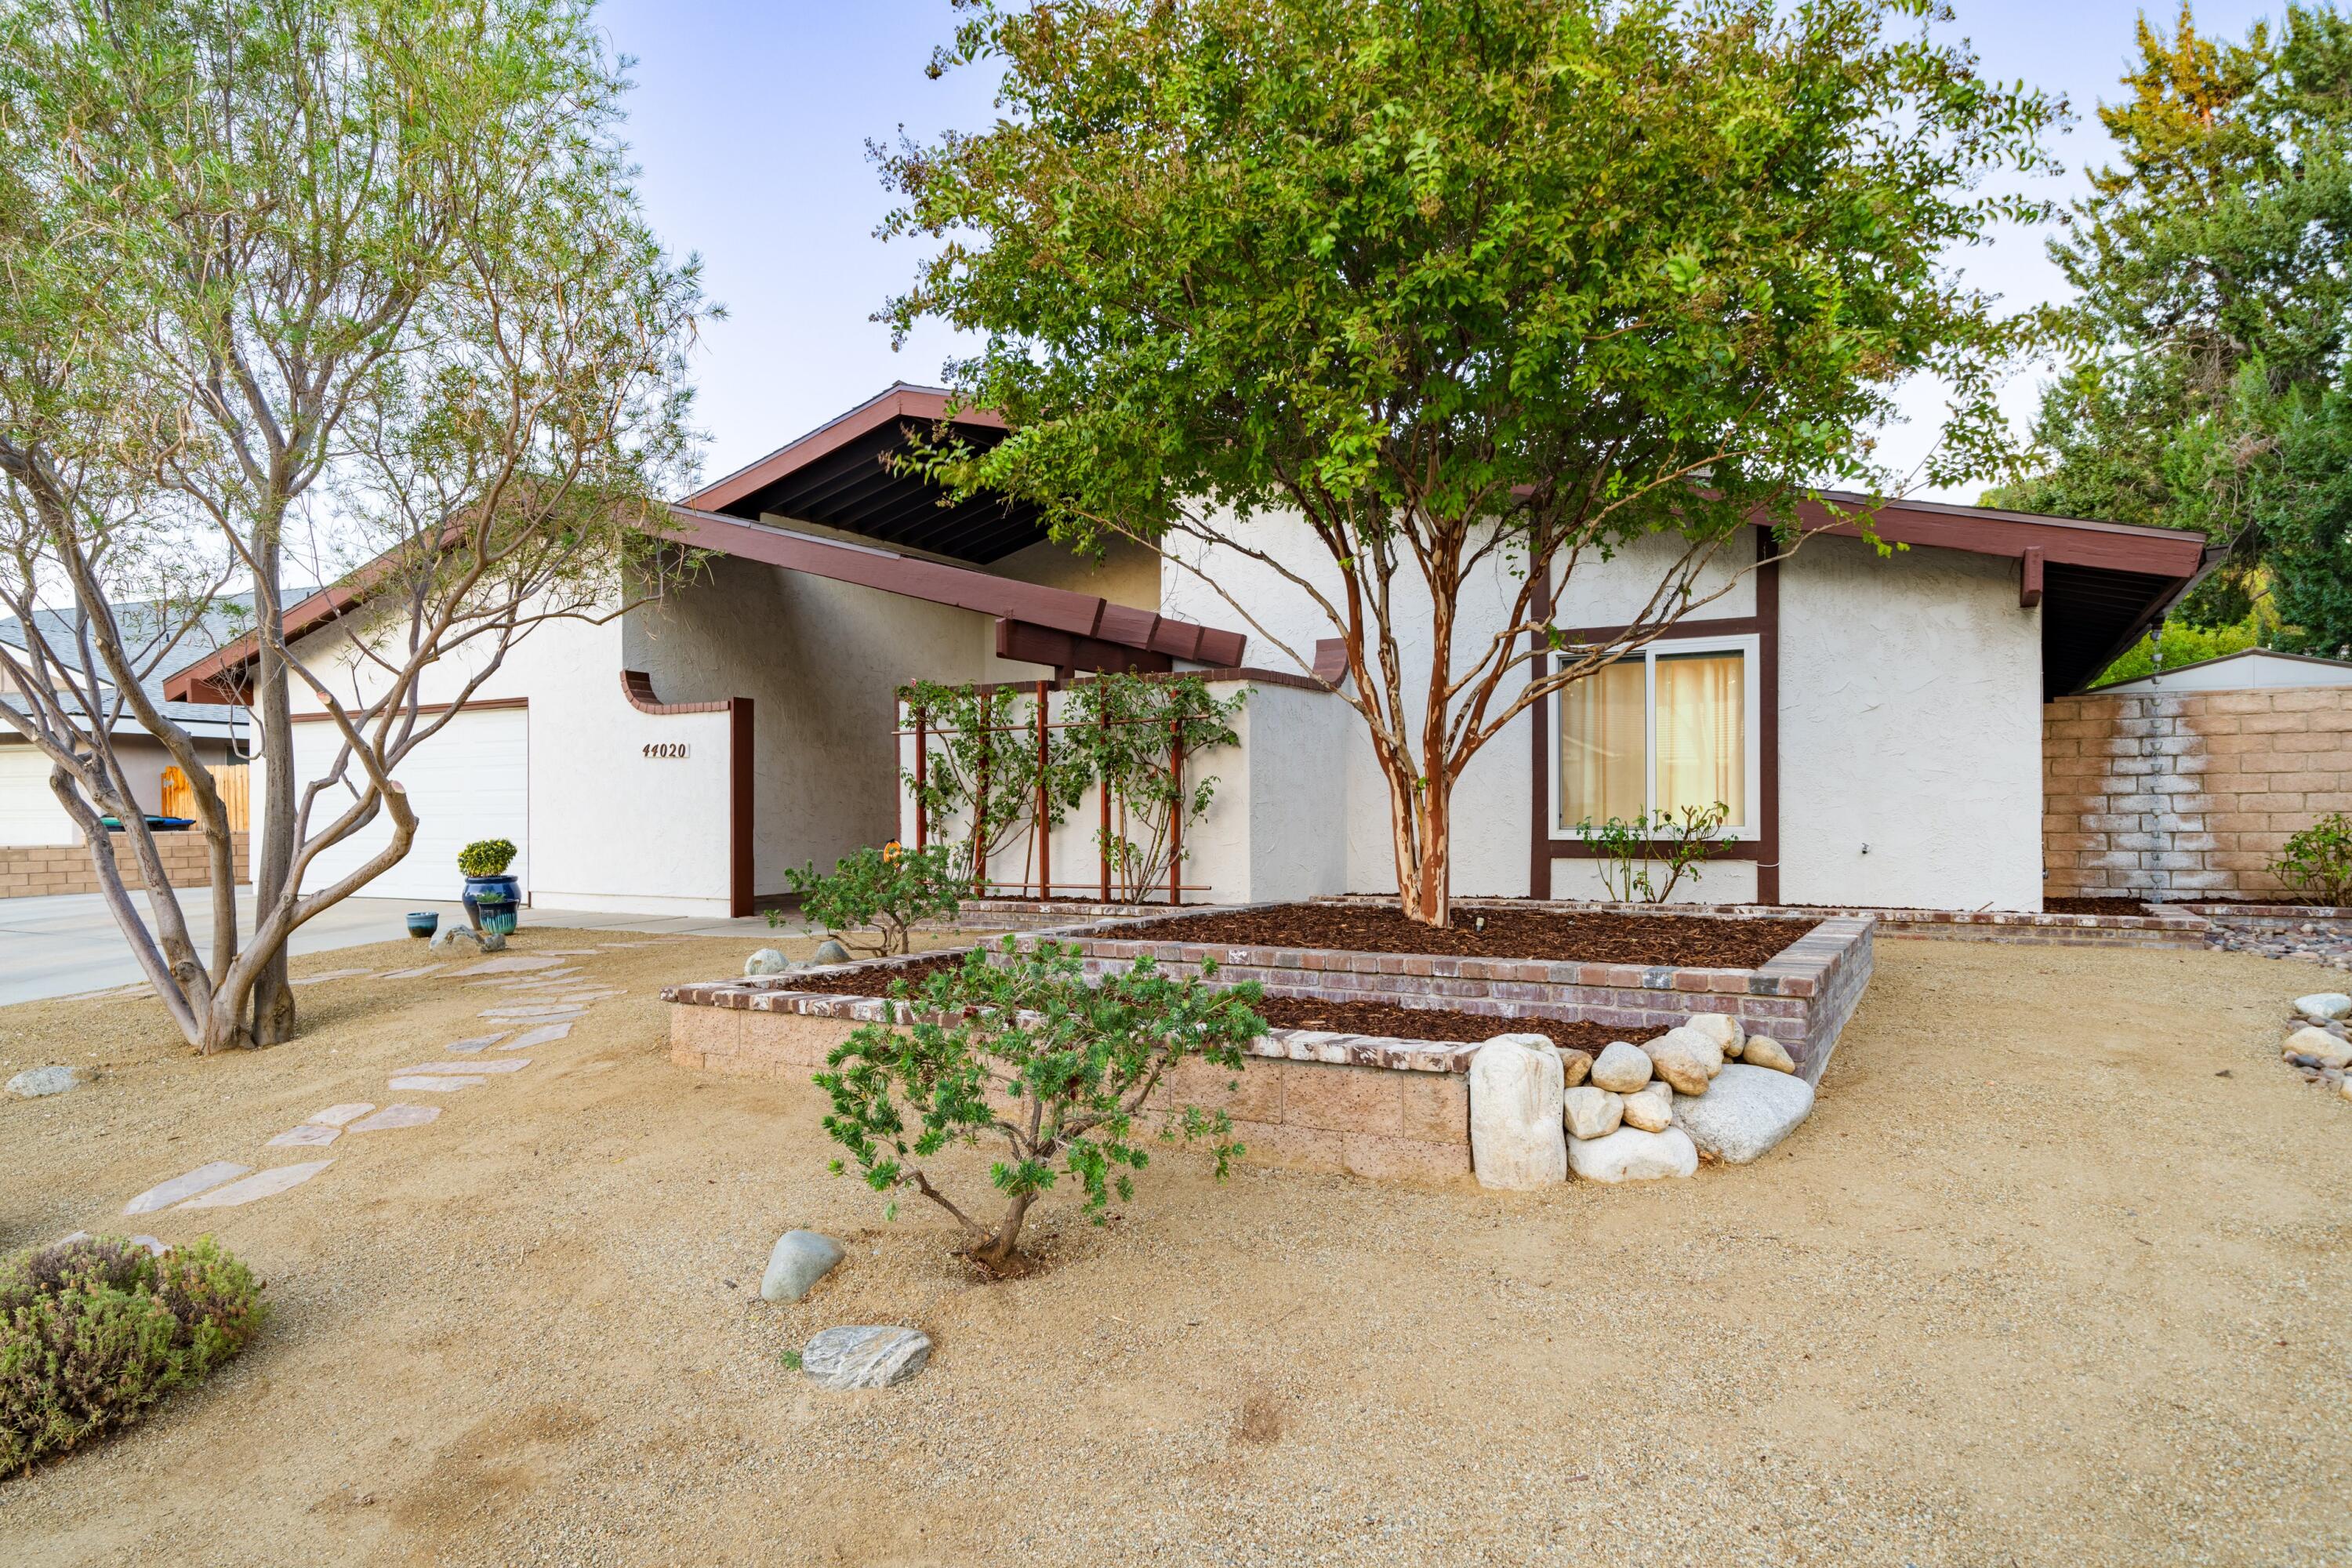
(40, 870)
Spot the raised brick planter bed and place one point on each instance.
(2271, 917)
(1802, 998)
(2178, 925)
(1309, 1100)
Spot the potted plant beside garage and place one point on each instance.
(492, 899)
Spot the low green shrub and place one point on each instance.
(1026, 1053)
(485, 858)
(2319, 860)
(884, 891)
(94, 1331)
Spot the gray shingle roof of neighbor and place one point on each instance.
(226, 618)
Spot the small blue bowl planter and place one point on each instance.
(423, 922)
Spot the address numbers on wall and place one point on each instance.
(666, 748)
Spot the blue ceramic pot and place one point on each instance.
(423, 922)
(504, 895)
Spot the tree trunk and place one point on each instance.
(1000, 1253)
(273, 998)
(1420, 819)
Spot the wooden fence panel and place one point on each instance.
(234, 785)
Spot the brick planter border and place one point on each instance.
(1802, 998)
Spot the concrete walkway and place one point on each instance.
(64, 945)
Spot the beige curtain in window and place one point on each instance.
(1604, 748)
(1703, 733)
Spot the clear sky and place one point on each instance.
(751, 121)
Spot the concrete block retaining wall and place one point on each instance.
(39, 870)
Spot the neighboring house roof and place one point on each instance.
(220, 624)
(2249, 669)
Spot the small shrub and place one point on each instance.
(884, 891)
(1027, 1053)
(1680, 841)
(2319, 860)
(92, 1331)
(485, 858)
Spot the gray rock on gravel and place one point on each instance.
(871, 1356)
(2323, 1006)
(1629, 1154)
(767, 961)
(1747, 1110)
(830, 951)
(799, 1259)
(450, 936)
(1591, 1113)
(2317, 1044)
(1764, 1051)
(1621, 1067)
(35, 1082)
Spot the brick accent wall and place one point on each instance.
(2178, 796)
(37, 870)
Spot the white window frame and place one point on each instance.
(1750, 649)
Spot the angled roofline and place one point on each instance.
(901, 400)
(2222, 658)
(1986, 530)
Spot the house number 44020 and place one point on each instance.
(665, 749)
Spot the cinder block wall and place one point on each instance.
(37, 870)
(2177, 798)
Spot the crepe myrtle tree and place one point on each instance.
(1476, 290)
(305, 283)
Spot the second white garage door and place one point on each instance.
(470, 781)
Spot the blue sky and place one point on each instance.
(752, 120)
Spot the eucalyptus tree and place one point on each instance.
(1467, 287)
(380, 294)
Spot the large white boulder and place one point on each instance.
(1686, 1058)
(1621, 1069)
(2324, 1007)
(1629, 1154)
(2330, 1052)
(1747, 1110)
(1517, 1141)
(1593, 1112)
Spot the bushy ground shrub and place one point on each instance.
(2318, 860)
(92, 1331)
(1026, 1055)
(884, 891)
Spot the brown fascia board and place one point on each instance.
(218, 675)
(900, 401)
(959, 587)
(1984, 530)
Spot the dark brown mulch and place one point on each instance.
(1433, 1023)
(2091, 907)
(1689, 941)
(877, 981)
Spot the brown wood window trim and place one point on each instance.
(1764, 626)
(638, 687)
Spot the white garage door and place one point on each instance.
(470, 781)
(29, 813)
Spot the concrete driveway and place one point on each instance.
(64, 945)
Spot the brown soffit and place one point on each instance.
(900, 401)
(1060, 610)
(1984, 530)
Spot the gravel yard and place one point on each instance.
(2037, 1284)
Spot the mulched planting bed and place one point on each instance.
(2091, 907)
(877, 981)
(1383, 1019)
(1695, 941)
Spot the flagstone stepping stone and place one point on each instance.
(442, 1070)
(567, 953)
(435, 1084)
(865, 1355)
(33, 1083)
(201, 1179)
(419, 973)
(547, 1035)
(260, 1185)
(156, 1248)
(310, 1135)
(341, 1115)
(544, 1013)
(584, 997)
(476, 1042)
(512, 964)
(397, 1116)
(330, 975)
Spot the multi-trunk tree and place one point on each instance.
(1458, 294)
(305, 292)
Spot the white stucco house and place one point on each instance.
(1873, 722)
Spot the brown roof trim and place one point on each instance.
(1984, 531)
(638, 687)
(218, 677)
(1060, 610)
(899, 402)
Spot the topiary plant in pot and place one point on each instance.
(490, 895)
